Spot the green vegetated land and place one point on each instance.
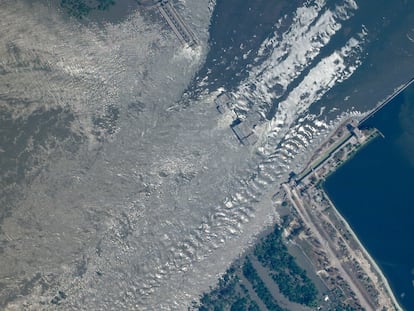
(230, 294)
(242, 286)
(290, 278)
(81, 8)
(260, 287)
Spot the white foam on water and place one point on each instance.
(292, 52)
(183, 199)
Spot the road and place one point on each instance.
(329, 249)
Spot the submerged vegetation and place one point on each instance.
(230, 294)
(243, 288)
(81, 8)
(259, 286)
(290, 278)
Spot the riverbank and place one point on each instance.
(371, 260)
(335, 250)
(380, 207)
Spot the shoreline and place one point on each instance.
(371, 260)
(365, 252)
(337, 244)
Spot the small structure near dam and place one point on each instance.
(223, 102)
(242, 127)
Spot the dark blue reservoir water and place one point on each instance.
(375, 192)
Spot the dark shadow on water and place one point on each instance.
(95, 11)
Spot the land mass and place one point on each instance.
(325, 237)
(330, 244)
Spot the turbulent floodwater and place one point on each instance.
(121, 184)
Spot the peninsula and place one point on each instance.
(325, 237)
(335, 252)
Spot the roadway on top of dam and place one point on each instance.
(387, 100)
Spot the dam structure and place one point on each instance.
(183, 32)
(387, 100)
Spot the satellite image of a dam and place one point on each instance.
(207, 155)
